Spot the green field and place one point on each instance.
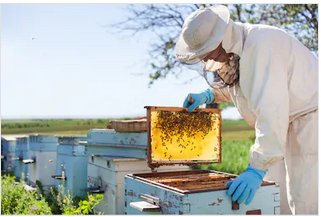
(52, 126)
(237, 137)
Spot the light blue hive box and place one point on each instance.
(71, 166)
(42, 160)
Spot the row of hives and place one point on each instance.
(96, 163)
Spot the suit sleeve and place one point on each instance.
(221, 95)
(264, 83)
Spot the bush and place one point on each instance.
(63, 203)
(15, 199)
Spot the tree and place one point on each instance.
(165, 22)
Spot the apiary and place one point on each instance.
(22, 146)
(8, 155)
(178, 137)
(71, 165)
(42, 159)
(113, 153)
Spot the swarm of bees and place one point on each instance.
(183, 126)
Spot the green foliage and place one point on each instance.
(224, 105)
(15, 199)
(69, 126)
(51, 200)
(300, 20)
(87, 206)
(39, 187)
(7, 173)
(235, 125)
(63, 203)
(238, 135)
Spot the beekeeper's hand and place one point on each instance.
(198, 99)
(245, 185)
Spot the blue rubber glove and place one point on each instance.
(245, 185)
(198, 99)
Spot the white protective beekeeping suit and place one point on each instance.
(277, 94)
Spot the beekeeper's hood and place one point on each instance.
(204, 30)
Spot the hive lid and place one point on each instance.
(134, 125)
(175, 136)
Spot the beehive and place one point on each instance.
(118, 144)
(42, 162)
(8, 155)
(193, 192)
(176, 136)
(106, 174)
(22, 146)
(71, 165)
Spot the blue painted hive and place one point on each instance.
(118, 144)
(22, 147)
(8, 153)
(42, 159)
(71, 165)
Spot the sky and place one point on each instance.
(65, 61)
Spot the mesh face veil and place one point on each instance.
(218, 75)
(229, 71)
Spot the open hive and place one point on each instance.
(179, 137)
(189, 181)
(175, 136)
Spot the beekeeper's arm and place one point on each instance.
(208, 96)
(264, 84)
(221, 95)
(194, 100)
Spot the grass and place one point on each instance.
(238, 135)
(235, 125)
(52, 126)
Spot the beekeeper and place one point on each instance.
(273, 81)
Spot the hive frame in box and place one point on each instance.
(147, 177)
(153, 164)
